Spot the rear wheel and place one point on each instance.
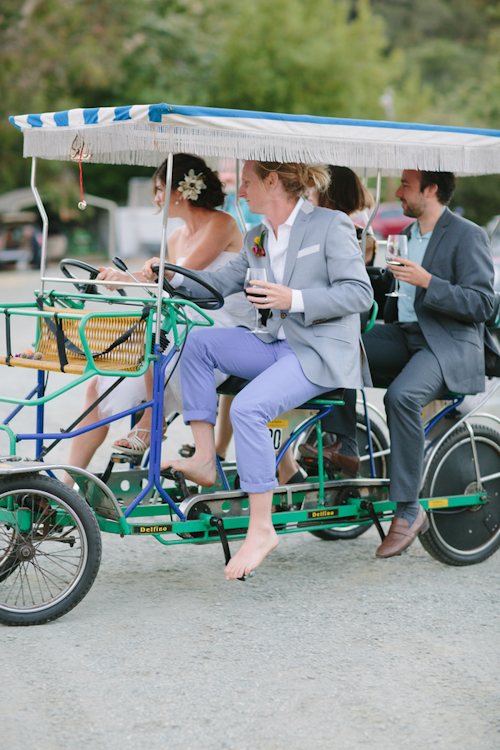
(464, 536)
(8, 558)
(379, 443)
(49, 554)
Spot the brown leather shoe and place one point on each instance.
(401, 534)
(348, 465)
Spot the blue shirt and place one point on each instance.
(417, 245)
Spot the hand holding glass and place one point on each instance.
(256, 274)
(397, 247)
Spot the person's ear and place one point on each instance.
(430, 191)
(273, 180)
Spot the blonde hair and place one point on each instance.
(294, 177)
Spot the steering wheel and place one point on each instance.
(215, 302)
(93, 272)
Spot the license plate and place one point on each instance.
(276, 428)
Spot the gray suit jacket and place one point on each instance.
(459, 299)
(324, 261)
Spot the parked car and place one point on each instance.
(20, 240)
(390, 219)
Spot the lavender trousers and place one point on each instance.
(277, 385)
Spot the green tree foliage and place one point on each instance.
(453, 49)
(56, 55)
(59, 54)
(441, 58)
(303, 56)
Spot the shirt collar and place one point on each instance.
(415, 229)
(291, 219)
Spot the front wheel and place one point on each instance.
(464, 536)
(379, 443)
(50, 549)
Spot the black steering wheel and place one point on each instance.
(215, 302)
(93, 272)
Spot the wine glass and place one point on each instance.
(256, 274)
(397, 247)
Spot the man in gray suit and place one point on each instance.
(433, 341)
(317, 287)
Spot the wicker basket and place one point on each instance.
(100, 333)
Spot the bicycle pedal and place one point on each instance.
(123, 458)
(170, 473)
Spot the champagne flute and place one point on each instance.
(256, 274)
(397, 247)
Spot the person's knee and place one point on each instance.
(244, 410)
(193, 342)
(399, 398)
(199, 345)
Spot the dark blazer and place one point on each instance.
(452, 311)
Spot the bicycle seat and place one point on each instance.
(234, 385)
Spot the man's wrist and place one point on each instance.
(427, 280)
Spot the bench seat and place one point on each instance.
(234, 385)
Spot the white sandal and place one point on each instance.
(137, 445)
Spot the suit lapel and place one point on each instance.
(267, 261)
(437, 233)
(296, 236)
(264, 260)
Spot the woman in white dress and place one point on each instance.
(208, 240)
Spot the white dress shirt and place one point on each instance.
(276, 248)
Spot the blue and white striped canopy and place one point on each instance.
(144, 134)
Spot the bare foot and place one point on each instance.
(199, 472)
(254, 549)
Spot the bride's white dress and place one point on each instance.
(237, 311)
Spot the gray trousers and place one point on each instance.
(401, 361)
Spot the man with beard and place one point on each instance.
(432, 342)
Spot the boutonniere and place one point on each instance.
(258, 245)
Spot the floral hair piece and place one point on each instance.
(191, 186)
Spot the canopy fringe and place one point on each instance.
(146, 144)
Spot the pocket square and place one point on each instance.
(308, 251)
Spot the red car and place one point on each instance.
(390, 219)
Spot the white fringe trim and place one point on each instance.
(147, 144)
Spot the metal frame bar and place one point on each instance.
(164, 243)
(475, 458)
(369, 435)
(375, 209)
(237, 201)
(433, 422)
(45, 222)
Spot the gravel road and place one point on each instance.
(326, 646)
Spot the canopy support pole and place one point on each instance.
(164, 245)
(45, 223)
(238, 207)
(375, 209)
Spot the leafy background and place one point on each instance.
(440, 60)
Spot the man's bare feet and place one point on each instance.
(199, 472)
(252, 552)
